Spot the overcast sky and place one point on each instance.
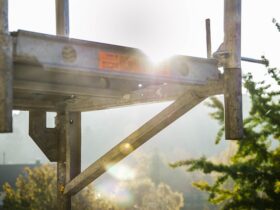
(158, 27)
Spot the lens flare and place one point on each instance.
(126, 148)
(123, 197)
(115, 192)
(158, 56)
(121, 172)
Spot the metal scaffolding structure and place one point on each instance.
(40, 73)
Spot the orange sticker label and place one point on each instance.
(129, 63)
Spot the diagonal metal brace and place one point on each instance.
(174, 111)
(171, 113)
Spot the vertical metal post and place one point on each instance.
(63, 202)
(62, 17)
(208, 38)
(73, 145)
(232, 69)
(69, 154)
(6, 71)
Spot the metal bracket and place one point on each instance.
(45, 138)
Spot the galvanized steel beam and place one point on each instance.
(60, 54)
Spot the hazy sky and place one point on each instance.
(158, 27)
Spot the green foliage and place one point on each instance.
(251, 179)
(217, 115)
(157, 169)
(276, 24)
(36, 190)
(219, 107)
(151, 196)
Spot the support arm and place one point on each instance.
(133, 141)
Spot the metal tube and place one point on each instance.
(62, 17)
(208, 38)
(252, 60)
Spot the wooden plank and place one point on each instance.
(62, 17)
(133, 141)
(232, 70)
(6, 71)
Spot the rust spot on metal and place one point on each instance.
(61, 188)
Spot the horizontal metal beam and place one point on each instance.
(35, 104)
(151, 94)
(110, 61)
(253, 60)
(182, 105)
(87, 76)
(60, 89)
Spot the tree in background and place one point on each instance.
(36, 190)
(251, 179)
(150, 196)
(155, 166)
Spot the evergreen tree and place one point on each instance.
(251, 178)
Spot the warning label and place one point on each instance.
(128, 63)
